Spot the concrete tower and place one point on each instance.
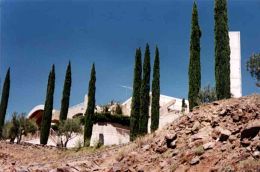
(235, 64)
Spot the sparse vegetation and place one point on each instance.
(19, 126)
(207, 95)
(118, 109)
(183, 105)
(253, 66)
(199, 150)
(107, 117)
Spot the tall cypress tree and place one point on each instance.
(91, 106)
(194, 66)
(135, 105)
(145, 90)
(222, 50)
(4, 100)
(155, 109)
(48, 107)
(66, 94)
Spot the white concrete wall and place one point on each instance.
(114, 134)
(235, 64)
(164, 100)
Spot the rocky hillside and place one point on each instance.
(221, 136)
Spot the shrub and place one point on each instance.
(107, 117)
(19, 126)
(67, 128)
(207, 95)
(118, 110)
(199, 150)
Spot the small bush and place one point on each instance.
(67, 128)
(199, 150)
(18, 126)
(107, 117)
(207, 95)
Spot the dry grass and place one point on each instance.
(249, 165)
(199, 150)
(125, 151)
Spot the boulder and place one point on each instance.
(256, 154)
(117, 167)
(170, 137)
(224, 133)
(208, 145)
(195, 126)
(195, 160)
(251, 130)
(203, 133)
(161, 149)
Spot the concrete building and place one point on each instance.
(235, 64)
(108, 133)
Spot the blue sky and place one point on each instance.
(36, 34)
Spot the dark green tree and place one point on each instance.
(194, 66)
(183, 105)
(135, 105)
(253, 66)
(48, 107)
(222, 50)
(90, 107)
(155, 109)
(66, 94)
(145, 91)
(4, 100)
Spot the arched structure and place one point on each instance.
(37, 112)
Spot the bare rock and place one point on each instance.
(224, 133)
(256, 154)
(203, 133)
(161, 149)
(172, 144)
(235, 117)
(195, 126)
(170, 137)
(208, 145)
(245, 142)
(117, 167)
(232, 138)
(251, 130)
(146, 147)
(195, 160)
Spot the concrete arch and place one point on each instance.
(36, 114)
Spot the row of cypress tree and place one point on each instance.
(141, 94)
(222, 54)
(47, 114)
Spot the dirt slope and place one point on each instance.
(221, 136)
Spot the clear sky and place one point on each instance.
(36, 34)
